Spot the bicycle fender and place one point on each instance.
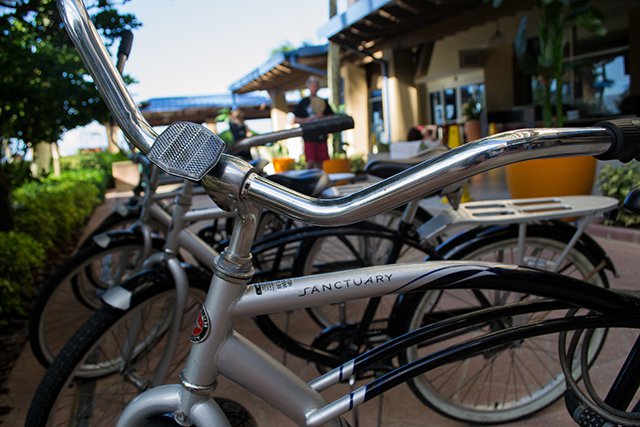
(105, 239)
(122, 297)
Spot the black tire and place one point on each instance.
(321, 250)
(529, 372)
(73, 292)
(361, 245)
(108, 381)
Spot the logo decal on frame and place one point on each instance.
(201, 328)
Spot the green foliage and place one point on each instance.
(44, 87)
(548, 65)
(472, 109)
(51, 210)
(618, 182)
(358, 163)
(93, 161)
(223, 114)
(47, 213)
(20, 256)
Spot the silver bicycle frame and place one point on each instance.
(233, 184)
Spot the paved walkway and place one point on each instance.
(399, 407)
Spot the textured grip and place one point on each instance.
(626, 139)
(126, 40)
(312, 130)
(186, 150)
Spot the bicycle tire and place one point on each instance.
(289, 330)
(465, 399)
(72, 293)
(98, 399)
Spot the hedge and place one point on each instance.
(47, 214)
(20, 256)
(617, 181)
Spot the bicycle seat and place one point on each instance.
(386, 168)
(310, 182)
(632, 201)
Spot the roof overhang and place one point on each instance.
(375, 24)
(284, 70)
(202, 108)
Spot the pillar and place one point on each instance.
(356, 103)
(402, 98)
(279, 110)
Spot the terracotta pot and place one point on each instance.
(472, 130)
(551, 177)
(281, 164)
(336, 165)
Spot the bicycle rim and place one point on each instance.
(507, 383)
(76, 296)
(97, 400)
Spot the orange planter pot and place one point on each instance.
(281, 164)
(551, 177)
(472, 130)
(336, 165)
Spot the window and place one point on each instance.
(447, 104)
(600, 84)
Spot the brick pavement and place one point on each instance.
(399, 407)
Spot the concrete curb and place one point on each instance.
(622, 234)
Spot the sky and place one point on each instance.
(200, 47)
(196, 47)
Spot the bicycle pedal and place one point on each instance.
(186, 150)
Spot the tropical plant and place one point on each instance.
(548, 65)
(472, 109)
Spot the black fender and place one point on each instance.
(134, 236)
(129, 291)
(485, 235)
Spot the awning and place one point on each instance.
(372, 24)
(202, 108)
(285, 70)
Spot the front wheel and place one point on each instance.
(515, 380)
(113, 358)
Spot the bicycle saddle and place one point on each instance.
(632, 201)
(310, 182)
(386, 168)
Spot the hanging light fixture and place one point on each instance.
(497, 39)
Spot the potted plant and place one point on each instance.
(281, 160)
(563, 176)
(471, 111)
(339, 163)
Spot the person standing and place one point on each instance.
(239, 131)
(308, 109)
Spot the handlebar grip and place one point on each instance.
(187, 150)
(312, 130)
(626, 139)
(126, 40)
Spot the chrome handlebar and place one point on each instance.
(429, 176)
(110, 84)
